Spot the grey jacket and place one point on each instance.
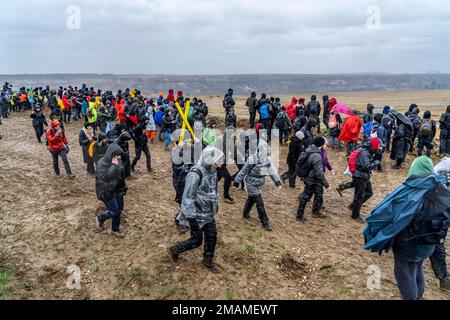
(316, 175)
(254, 174)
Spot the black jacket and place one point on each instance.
(316, 173)
(364, 162)
(38, 119)
(314, 108)
(445, 123)
(295, 149)
(109, 178)
(230, 121)
(140, 138)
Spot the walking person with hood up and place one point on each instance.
(411, 220)
(295, 150)
(426, 134)
(199, 207)
(86, 138)
(310, 167)
(141, 144)
(111, 188)
(254, 173)
(58, 145)
(351, 132)
(445, 132)
(364, 165)
(38, 122)
(308, 133)
(314, 110)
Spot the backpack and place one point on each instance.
(264, 112)
(89, 113)
(367, 128)
(187, 168)
(332, 123)
(352, 161)
(280, 120)
(428, 226)
(303, 167)
(314, 108)
(426, 128)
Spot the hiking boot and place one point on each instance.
(228, 199)
(339, 191)
(150, 170)
(301, 219)
(318, 214)
(267, 227)
(292, 186)
(445, 284)
(71, 176)
(118, 234)
(98, 224)
(172, 254)
(214, 267)
(246, 216)
(350, 207)
(133, 169)
(396, 167)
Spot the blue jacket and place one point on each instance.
(158, 118)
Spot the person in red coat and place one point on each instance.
(58, 147)
(351, 132)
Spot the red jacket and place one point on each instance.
(351, 129)
(55, 143)
(120, 107)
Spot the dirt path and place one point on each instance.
(47, 224)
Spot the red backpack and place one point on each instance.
(352, 161)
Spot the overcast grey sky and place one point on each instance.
(225, 36)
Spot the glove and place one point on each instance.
(236, 184)
(193, 225)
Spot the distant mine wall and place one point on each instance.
(242, 84)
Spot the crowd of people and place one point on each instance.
(201, 156)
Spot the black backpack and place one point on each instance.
(429, 225)
(303, 167)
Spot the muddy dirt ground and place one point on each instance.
(47, 225)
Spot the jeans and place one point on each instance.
(311, 190)
(410, 278)
(335, 142)
(67, 115)
(258, 200)
(208, 232)
(283, 135)
(63, 154)
(379, 157)
(139, 150)
(427, 144)
(114, 208)
(363, 192)
(167, 137)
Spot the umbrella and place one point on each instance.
(402, 118)
(342, 108)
